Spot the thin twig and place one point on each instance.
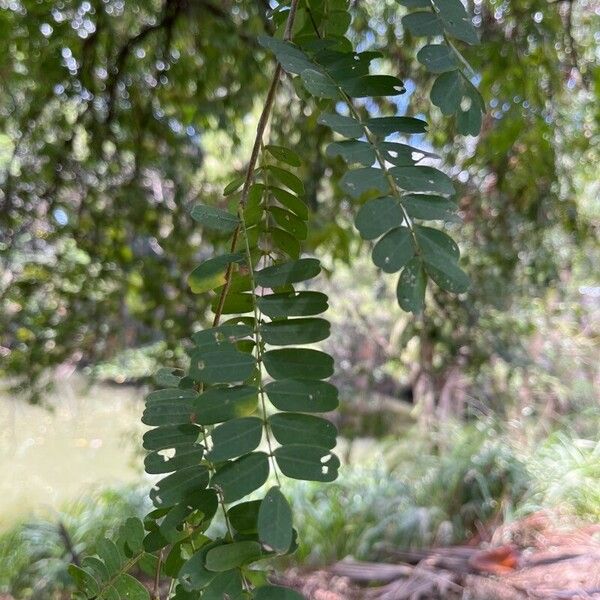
(251, 168)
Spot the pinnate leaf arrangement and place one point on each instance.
(242, 418)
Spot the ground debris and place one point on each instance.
(536, 558)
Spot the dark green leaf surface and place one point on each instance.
(224, 403)
(214, 218)
(373, 85)
(302, 395)
(284, 155)
(244, 516)
(295, 331)
(235, 438)
(378, 216)
(384, 126)
(290, 201)
(288, 272)
(211, 273)
(447, 92)
(175, 487)
(423, 23)
(185, 455)
(309, 463)
(422, 179)
(438, 58)
(230, 556)
(411, 287)
(456, 21)
(221, 366)
(290, 222)
(429, 208)
(273, 592)
(242, 476)
(227, 585)
(286, 178)
(275, 522)
(293, 304)
(320, 85)
(294, 428)
(285, 242)
(353, 152)
(359, 181)
(302, 363)
(394, 250)
(346, 126)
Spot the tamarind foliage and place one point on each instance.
(245, 414)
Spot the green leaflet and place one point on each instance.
(456, 21)
(294, 428)
(394, 250)
(225, 585)
(288, 272)
(437, 247)
(378, 216)
(229, 556)
(447, 92)
(214, 218)
(166, 377)
(211, 273)
(186, 455)
(295, 331)
(302, 363)
(292, 59)
(286, 178)
(275, 522)
(235, 304)
(226, 365)
(384, 126)
(194, 574)
(303, 395)
(244, 516)
(429, 208)
(353, 151)
(320, 85)
(310, 463)
(241, 477)
(171, 406)
(290, 222)
(220, 404)
(223, 335)
(373, 85)
(286, 242)
(422, 179)
(423, 23)
(274, 592)
(346, 126)
(293, 304)
(178, 485)
(411, 287)
(235, 438)
(359, 181)
(450, 278)
(403, 155)
(284, 155)
(438, 58)
(290, 201)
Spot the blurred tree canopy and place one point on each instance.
(116, 117)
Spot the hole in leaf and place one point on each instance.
(465, 103)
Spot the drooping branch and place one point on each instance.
(250, 169)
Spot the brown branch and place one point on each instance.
(260, 130)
